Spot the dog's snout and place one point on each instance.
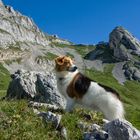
(73, 68)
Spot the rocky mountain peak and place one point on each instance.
(22, 41)
(123, 43)
(16, 27)
(123, 50)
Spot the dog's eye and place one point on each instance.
(61, 61)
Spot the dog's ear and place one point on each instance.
(59, 60)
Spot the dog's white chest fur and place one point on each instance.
(62, 83)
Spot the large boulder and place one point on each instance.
(121, 130)
(123, 44)
(114, 130)
(40, 87)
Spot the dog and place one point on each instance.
(79, 89)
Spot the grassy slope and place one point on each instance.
(4, 78)
(130, 92)
(18, 121)
(81, 49)
(47, 56)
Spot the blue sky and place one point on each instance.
(81, 21)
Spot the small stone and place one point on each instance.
(94, 127)
(50, 117)
(88, 136)
(103, 134)
(105, 121)
(64, 133)
(82, 125)
(48, 106)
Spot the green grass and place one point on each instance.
(129, 92)
(59, 45)
(70, 55)
(4, 78)
(47, 56)
(8, 62)
(18, 121)
(136, 57)
(81, 49)
(4, 31)
(50, 56)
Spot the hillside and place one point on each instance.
(26, 74)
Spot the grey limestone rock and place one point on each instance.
(96, 135)
(121, 130)
(40, 87)
(118, 72)
(63, 133)
(122, 41)
(19, 28)
(132, 71)
(49, 117)
(45, 105)
(92, 131)
(114, 130)
(136, 75)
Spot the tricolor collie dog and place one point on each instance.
(77, 88)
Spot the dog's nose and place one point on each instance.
(75, 68)
(72, 69)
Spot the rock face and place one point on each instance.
(118, 72)
(16, 27)
(37, 49)
(35, 86)
(123, 43)
(101, 52)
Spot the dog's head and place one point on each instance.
(64, 63)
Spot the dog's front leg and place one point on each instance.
(70, 104)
